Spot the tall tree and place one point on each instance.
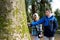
(13, 23)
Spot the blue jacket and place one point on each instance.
(50, 25)
(35, 30)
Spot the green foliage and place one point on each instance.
(57, 14)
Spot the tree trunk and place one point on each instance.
(13, 23)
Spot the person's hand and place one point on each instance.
(29, 24)
(40, 36)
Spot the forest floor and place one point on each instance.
(57, 37)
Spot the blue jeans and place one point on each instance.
(48, 38)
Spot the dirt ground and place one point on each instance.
(57, 37)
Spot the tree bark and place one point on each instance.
(13, 23)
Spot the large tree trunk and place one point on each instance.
(13, 23)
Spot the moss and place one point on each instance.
(15, 12)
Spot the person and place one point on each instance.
(50, 25)
(37, 29)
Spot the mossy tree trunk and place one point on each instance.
(13, 23)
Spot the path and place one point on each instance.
(57, 37)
